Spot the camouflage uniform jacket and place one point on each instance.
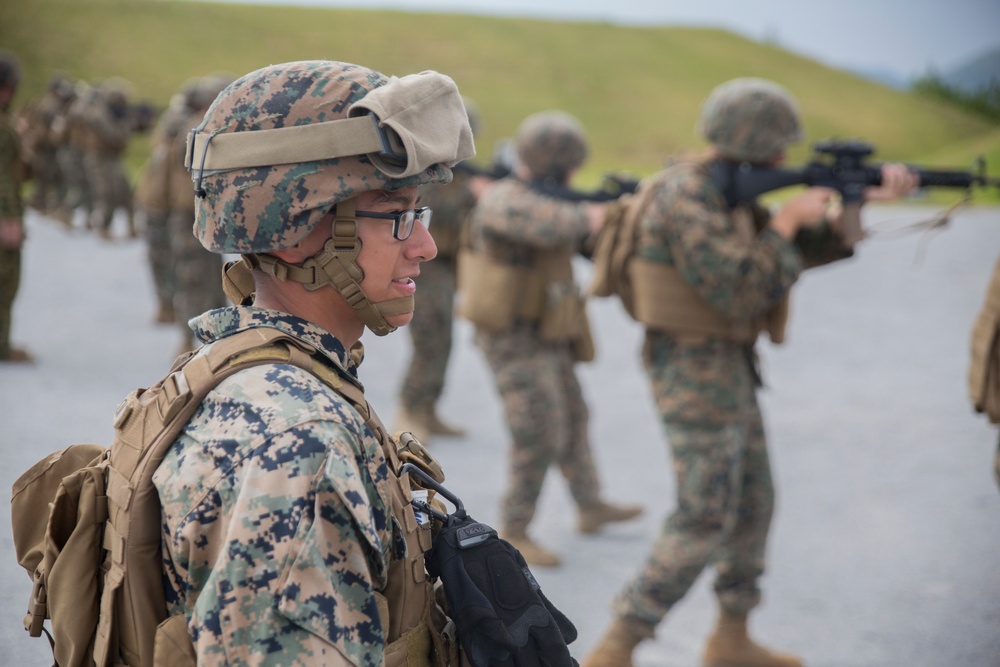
(276, 527)
(514, 223)
(11, 206)
(688, 226)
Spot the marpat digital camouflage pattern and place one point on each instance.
(274, 513)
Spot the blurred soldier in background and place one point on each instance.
(197, 271)
(706, 280)
(40, 142)
(70, 130)
(984, 365)
(11, 206)
(518, 290)
(431, 327)
(109, 128)
(153, 195)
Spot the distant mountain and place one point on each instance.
(975, 74)
(884, 76)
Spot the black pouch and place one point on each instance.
(500, 613)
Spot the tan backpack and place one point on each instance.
(615, 246)
(86, 519)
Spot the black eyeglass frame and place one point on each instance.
(401, 229)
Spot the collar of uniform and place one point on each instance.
(222, 322)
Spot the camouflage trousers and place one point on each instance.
(79, 191)
(111, 190)
(705, 395)
(10, 280)
(996, 464)
(161, 257)
(198, 272)
(49, 184)
(547, 418)
(431, 335)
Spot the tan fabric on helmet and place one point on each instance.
(404, 104)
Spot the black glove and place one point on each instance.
(502, 617)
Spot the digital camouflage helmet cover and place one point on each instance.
(750, 120)
(550, 144)
(280, 147)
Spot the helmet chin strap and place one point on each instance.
(335, 265)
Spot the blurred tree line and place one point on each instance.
(983, 100)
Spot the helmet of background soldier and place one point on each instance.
(185, 96)
(550, 145)
(472, 111)
(750, 120)
(206, 89)
(115, 94)
(62, 86)
(10, 69)
(254, 206)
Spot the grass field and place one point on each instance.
(637, 90)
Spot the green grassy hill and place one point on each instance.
(637, 90)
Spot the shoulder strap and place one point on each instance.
(146, 425)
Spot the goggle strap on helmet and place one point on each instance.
(285, 145)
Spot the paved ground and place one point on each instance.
(884, 551)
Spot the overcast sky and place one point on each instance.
(902, 37)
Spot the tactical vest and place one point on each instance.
(659, 296)
(132, 627)
(984, 366)
(496, 294)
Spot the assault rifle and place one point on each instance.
(838, 164)
(613, 186)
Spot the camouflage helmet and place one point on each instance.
(62, 86)
(550, 144)
(115, 92)
(185, 96)
(472, 111)
(206, 89)
(282, 147)
(10, 69)
(750, 120)
(271, 206)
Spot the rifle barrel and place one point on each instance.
(947, 179)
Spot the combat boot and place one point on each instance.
(615, 647)
(410, 421)
(17, 355)
(63, 215)
(731, 646)
(438, 427)
(165, 314)
(594, 517)
(531, 551)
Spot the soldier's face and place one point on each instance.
(390, 266)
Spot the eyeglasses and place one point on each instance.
(402, 221)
